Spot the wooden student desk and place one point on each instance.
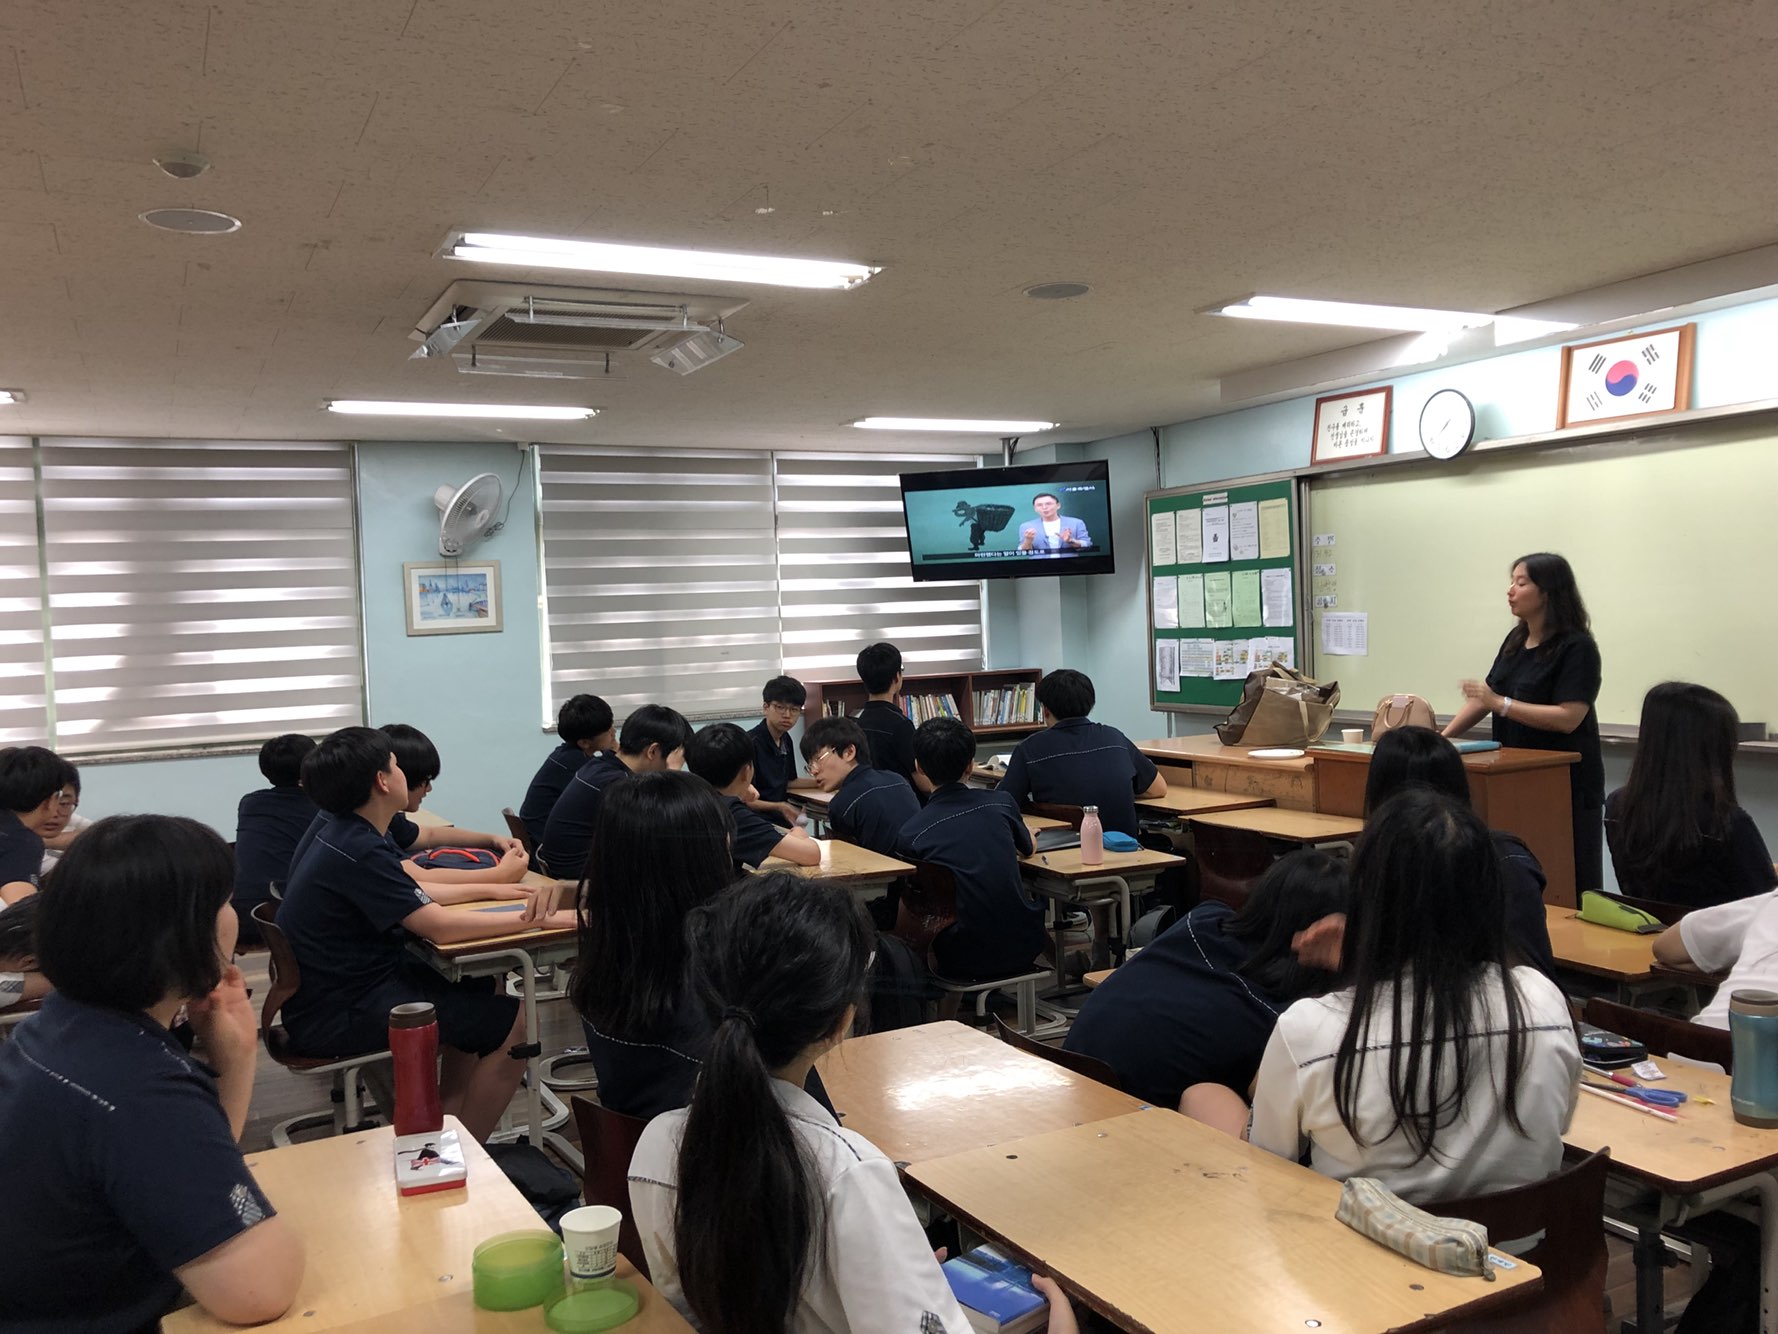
(938, 1089)
(866, 873)
(1308, 828)
(1122, 877)
(1523, 792)
(1166, 1226)
(1622, 957)
(1692, 1166)
(378, 1261)
(1232, 769)
(1188, 801)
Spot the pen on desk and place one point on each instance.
(1631, 1103)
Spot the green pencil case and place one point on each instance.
(1602, 909)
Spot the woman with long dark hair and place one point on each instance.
(758, 1212)
(1437, 1068)
(1198, 1004)
(1675, 830)
(1541, 691)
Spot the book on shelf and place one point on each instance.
(996, 1293)
(923, 708)
(1007, 706)
(833, 708)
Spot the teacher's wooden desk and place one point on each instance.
(379, 1260)
(1232, 769)
(938, 1089)
(1164, 1225)
(1523, 792)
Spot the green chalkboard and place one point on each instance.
(1223, 573)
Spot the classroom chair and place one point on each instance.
(1662, 1034)
(927, 905)
(516, 827)
(1023, 987)
(607, 1143)
(1229, 861)
(1051, 810)
(346, 1073)
(1569, 1209)
(1077, 1061)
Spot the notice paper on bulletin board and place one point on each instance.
(1222, 588)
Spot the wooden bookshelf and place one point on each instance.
(963, 688)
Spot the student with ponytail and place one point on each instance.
(758, 1212)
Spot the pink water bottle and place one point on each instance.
(413, 1042)
(1092, 837)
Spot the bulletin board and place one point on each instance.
(1223, 588)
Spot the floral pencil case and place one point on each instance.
(1449, 1245)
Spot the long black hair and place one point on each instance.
(1563, 609)
(1426, 928)
(1414, 757)
(779, 960)
(660, 848)
(1295, 892)
(1682, 781)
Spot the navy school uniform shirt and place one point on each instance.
(1717, 870)
(568, 834)
(21, 851)
(269, 824)
(402, 835)
(755, 836)
(554, 774)
(1179, 1014)
(119, 1168)
(871, 808)
(978, 837)
(891, 736)
(1079, 762)
(1562, 670)
(774, 763)
(1522, 880)
(342, 912)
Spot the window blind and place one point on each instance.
(24, 711)
(200, 592)
(660, 578)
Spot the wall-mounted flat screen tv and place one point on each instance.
(1006, 523)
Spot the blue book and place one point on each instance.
(996, 1293)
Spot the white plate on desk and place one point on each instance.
(1276, 753)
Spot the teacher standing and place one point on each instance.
(1542, 690)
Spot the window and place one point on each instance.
(691, 577)
(199, 593)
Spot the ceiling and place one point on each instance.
(1169, 153)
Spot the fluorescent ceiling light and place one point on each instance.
(952, 424)
(1351, 314)
(551, 252)
(370, 407)
(12, 395)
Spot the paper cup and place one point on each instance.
(826, 851)
(1352, 736)
(589, 1235)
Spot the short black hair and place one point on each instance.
(878, 666)
(583, 718)
(717, 753)
(654, 725)
(1041, 494)
(784, 690)
(415, 755)
(943, 748)
(340, 773)
(31, 775)
(18, 929)
(1067, 693)
(281, 758)
(835, 734)
(128, 917)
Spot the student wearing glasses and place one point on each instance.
(32, 781)
(59, 834)
(774, 757)
(869, 807)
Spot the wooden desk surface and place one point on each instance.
(1105, 1207)
(847, 863)
(428, 819)
(1508, 759)
(1191, 749)
(1705, 1147)
(1038, 823)
(1093, 979)
(1294, 826)
(938, 1089)
(1603, 951)
(1198, 801)
(377, 1260)
(1065, 864)
(499, 927)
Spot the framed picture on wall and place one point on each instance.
(452, 597)
(1632, 375)
(1351, 426)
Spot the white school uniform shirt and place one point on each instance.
(1740, 938)
(876, 1273)
(1478, 1152)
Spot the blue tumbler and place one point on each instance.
(1753, 1028)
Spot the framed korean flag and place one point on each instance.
(1636, 375)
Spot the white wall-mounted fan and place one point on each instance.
(466, 513)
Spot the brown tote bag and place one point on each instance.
(1280, 707)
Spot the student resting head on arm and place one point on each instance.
(118, 1148)
(21, 982)
(756, 1209)
(1438, 1068)
(31, 783)
(722, 755)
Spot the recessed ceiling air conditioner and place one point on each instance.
(492, 328)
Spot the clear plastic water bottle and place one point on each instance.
(1092, 837)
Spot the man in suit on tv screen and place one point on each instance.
(1051, 530)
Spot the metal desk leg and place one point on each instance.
(1651, 1258)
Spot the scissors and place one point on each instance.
(1653, 1097)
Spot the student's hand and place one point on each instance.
(1321, 944)
(502, 892)
(791, 812)
(1062, 1319)
(225, 1023)
(544, 900)
(505, 843)
(514, 862)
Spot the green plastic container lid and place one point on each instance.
(594, 1309)
(517, 1269)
